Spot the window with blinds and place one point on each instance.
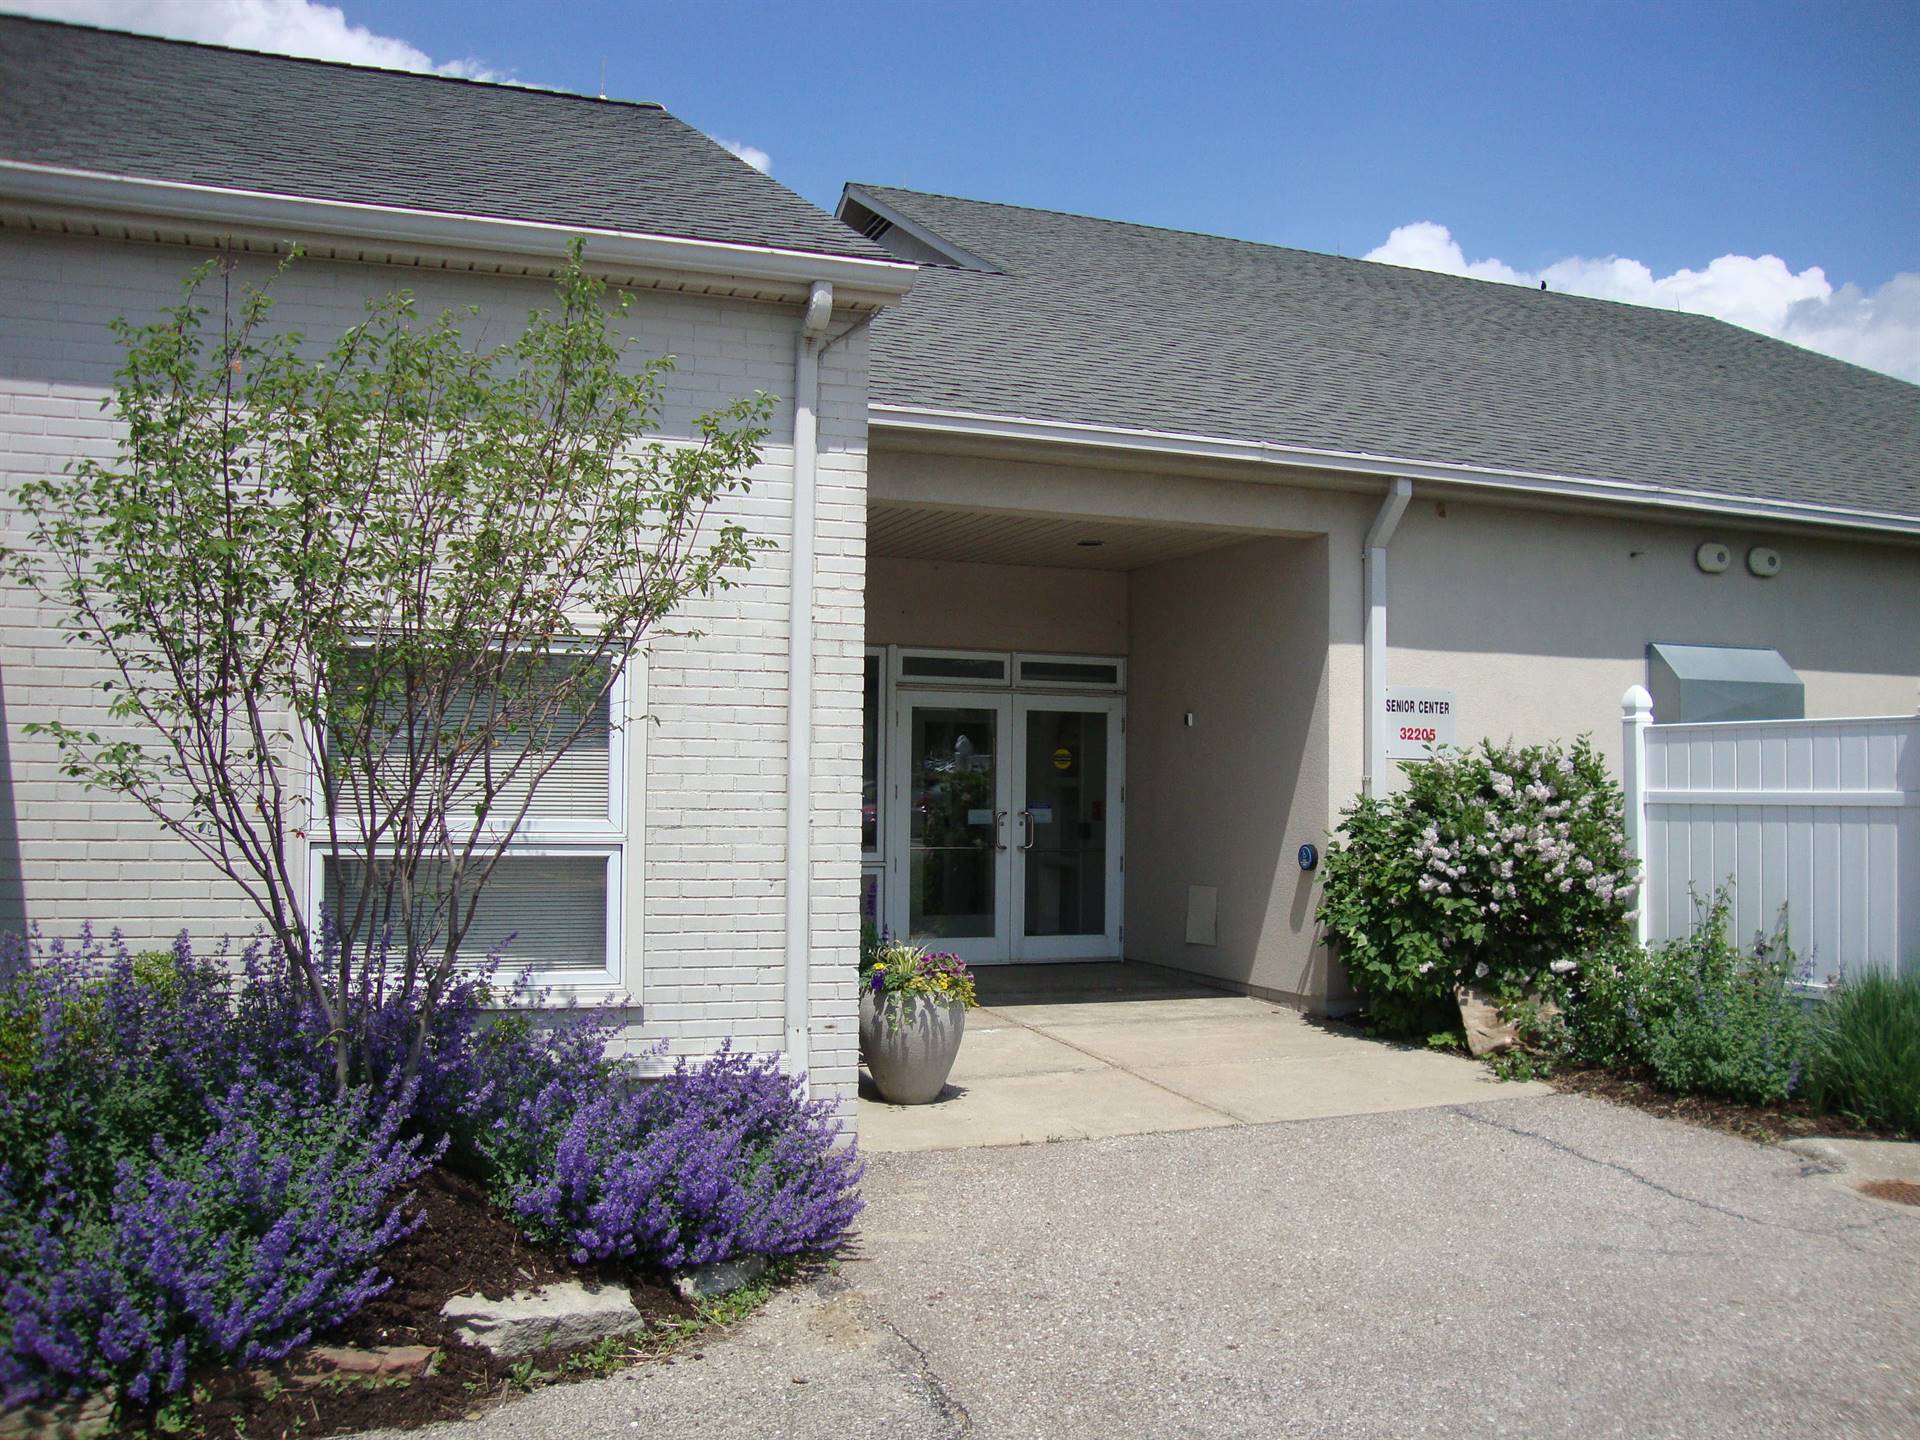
(544, 912)
(553, 901)
(565, 758)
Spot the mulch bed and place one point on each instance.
(463, 1246)
(1768, 1124)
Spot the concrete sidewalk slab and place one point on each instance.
(1079, 1052)
(996, 1050)
(1347, 1083)
(1032, 1110)
(1055, 1016)
(1259, 1032)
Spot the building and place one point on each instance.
(1134, 497)
(695, 895)
(1101, 553)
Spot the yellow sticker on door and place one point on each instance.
(1063, 759)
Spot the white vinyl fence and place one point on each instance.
(1819, 816)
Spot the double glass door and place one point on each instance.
(1007, 825)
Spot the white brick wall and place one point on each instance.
(711, 932)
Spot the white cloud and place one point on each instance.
(752, 154)
(285, 27)
(1880, 330)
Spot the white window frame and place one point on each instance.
(1116, 686)
(951, 682)
(877, 855)
(614, 837)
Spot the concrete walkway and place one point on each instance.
(1076, 1052)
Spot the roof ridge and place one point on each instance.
(523, 87)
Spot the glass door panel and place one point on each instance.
(1066, 829)
(954, 784)
(1064, 839)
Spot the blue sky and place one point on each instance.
(1612, 148)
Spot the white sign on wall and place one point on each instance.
(1416, 719)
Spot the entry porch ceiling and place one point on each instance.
(906, 532)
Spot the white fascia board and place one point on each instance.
(930, 420)
(438, 233)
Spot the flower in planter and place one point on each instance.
(890, 967)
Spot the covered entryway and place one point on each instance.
(1095, 735)
(1076, 1052)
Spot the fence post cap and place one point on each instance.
(1636, 703)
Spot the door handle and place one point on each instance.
(999, 819)
(1026, 820)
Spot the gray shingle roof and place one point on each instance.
(1105, 323)
(166, 110)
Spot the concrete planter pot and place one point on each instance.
(909, 1043)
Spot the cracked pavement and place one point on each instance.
(1552, 1266)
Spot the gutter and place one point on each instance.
(276, 218)
(918, 419)
(1373, 567)
(806, 403)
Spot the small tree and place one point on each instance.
(372, 596)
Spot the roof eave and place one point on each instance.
(929, 420)
(30, 191)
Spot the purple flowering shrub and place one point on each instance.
(236, 1250)
(168, 1194)
(713, 1161)
(183, 1181)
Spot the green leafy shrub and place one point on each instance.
(1865, 1053)
(1499, 866)
(1702, 1014)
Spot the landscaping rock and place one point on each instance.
(568, 1314)
(712, 1282)
(75, 1420)
(1868, 1159)
(1487, 1033)
(323, 1362)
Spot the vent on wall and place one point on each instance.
(876, 227)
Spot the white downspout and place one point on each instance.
(1374, 569)
(806, 401)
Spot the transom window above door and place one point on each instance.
(999, 668)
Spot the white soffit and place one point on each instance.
(902, 532)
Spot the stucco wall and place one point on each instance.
(710, 951)
(1539, 622)
(1237, 637)
(996, 607)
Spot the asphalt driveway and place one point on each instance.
(1539, 1266)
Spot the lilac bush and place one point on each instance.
(1499, 867)
(715, 1160)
